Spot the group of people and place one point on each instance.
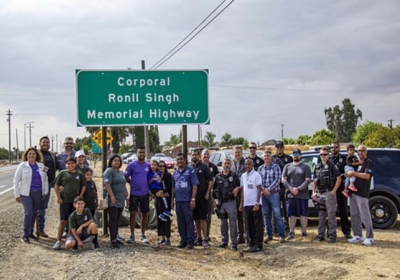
(75, 190)
(248, 196)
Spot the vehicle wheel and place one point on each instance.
(383, 212)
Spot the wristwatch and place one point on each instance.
(257, 203)
(193, 199)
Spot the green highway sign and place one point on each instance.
(141, 97)
(95, 148)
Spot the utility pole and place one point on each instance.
(199, 135)
(57, 143)
(17, 151)
(30, 133)
(146, 129)
(282, 125)
(390, 123)
(9, 134)
(52, 143)
(391, 132)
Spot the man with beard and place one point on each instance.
(225, 183)
(340, 161)
(51, 163)
(205, 158)
(296, 177)
(203, 192)
(238, 167)
(281, 159)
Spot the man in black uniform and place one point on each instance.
(224, 201)
(282, 159)
(340, 161)
(203, 192)
(257, 161)
(239, 168)
(51, 163)
(205, 158)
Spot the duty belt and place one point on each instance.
(227, 200)
(325, 190)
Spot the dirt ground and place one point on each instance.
(303, 258)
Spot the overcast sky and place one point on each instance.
(271, 62)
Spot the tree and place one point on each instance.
(363, 130)
(209, 139)
(154, 139)
(174, 139)
(343, 121)
(303, 140)
(226, 140)
(239, 141)
(322, 137)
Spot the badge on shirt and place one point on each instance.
(230, 179)
(250, 186)
(340, 160)
(184, 184)
(85, 219)
(77, 177)
(211, 169)
(257, 161)
(326, 166)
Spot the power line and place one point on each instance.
(189, 34)
(193, 36)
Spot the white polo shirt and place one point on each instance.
(250, 181)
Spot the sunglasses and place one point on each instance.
(69, 143)
(334, 147)
(361, 151)
(323, 155)
(252, 148)
(161, 166)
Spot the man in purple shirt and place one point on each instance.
(136, 175)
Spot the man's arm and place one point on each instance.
(209, 177)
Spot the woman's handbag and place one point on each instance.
(103, 205)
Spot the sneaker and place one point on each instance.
(255, 249)
(198, 242)
(115, 244)
(144, 239)
(57, 245)
(332, 240)
(182, 245)
(25, 239)
(190, 246)
(234, 248)
(368, 242)
(205, 244)
(162, 217)
(304, 234)
(320, 239)
(356, 239)
(166, 243)
(120, 238)
(281, 240)
(241, 240)
(131, 239)
(346, 193)
(352, 187)
(223, 245)
(32, 236)
(162, 241)
(290, 236)
(168, 213)
(43, 234)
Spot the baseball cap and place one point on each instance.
(79, 153)
(296, 152)
(279, 143)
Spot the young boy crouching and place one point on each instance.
(81, 226)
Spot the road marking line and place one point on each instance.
(6, 190)
(3, 186)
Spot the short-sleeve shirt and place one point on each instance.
(296, 175)
(117, 182)
(90, 195)
(183, 182)
(75, 220)
(257, 161)
(363, 185)
(72, 183)
(249, 181)
(137, 171)
(155, 185)
(351, 159)
(204, 176)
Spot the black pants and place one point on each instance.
(255, 224)
(343, 211)
(163, 228)
(114, 214)
(241, 220)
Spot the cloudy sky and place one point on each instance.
(271, 62)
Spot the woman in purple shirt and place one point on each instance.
(30, 186)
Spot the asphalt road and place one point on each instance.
(6, 179)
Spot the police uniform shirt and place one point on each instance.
(340, 162)
(204, 175)
(213, 169)
(363, 185)
(257, 162)
(222, 182)
(282, 160)
(328, 170)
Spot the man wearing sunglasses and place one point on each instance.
(326, 183)
(340, 161)
(359, 204)
(257, 161)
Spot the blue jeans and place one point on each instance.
(42, 211)
(184, 216)
(31, 205)
(272, 204)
